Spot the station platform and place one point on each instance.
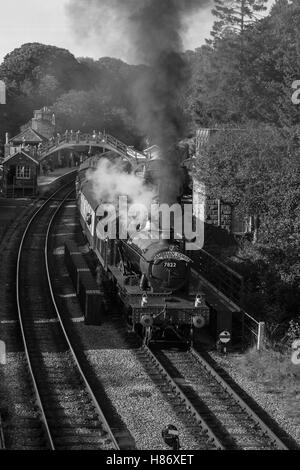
(51, 177)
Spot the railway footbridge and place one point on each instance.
(78, 141)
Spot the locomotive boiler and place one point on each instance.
(150, 274)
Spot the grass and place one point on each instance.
(277, 375)
(269, 365)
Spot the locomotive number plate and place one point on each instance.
(169, 265)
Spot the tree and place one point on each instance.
(258, 170)
(222, 90)
(33, 61)
(88, 110)
(273, 64)
(234, 16)
(36, 74)
(48, 88)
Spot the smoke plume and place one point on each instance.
(152, 31)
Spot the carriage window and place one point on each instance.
(23, 172)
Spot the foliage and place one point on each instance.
(257, 169)
(37, 75)
(274, 373)
(229, 87)
(88, 110)
(293, 332)
(234, 16)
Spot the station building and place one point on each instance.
(21, 164)
(20, 172)
(33, 134)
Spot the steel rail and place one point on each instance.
(36, 390)
(242, 404)
(200, 420)
(50, 284)
(2, 440)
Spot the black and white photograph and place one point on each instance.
(149, 228)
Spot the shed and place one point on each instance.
(20, 173)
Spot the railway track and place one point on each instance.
(213, 414)
(70, 415)
(223, 412)
(196, 425)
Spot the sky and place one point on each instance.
(46, 22)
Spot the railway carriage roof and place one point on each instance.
(89, 194)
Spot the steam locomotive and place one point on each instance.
(151, 275)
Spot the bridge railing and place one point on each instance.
(77, 138)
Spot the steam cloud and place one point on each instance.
(111, 181)
(153, 30)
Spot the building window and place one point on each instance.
(23, 172)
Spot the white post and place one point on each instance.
(260, 334)
(2, 353)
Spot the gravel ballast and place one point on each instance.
(20, 418)
(137, 399)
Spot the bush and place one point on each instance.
(293, 332)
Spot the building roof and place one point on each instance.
(23, 154)
(28, 136)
